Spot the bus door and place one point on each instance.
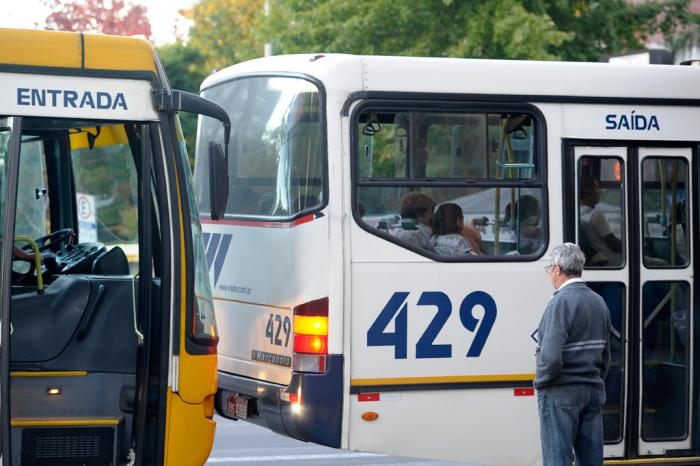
(634, 223)
(9, 138)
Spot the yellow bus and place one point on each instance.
(104, 361)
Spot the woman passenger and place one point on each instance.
(448, 223)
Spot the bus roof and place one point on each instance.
(350, 73)
(75, 50)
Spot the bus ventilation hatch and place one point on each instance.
(67, 446)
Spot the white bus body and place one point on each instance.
(432, 356)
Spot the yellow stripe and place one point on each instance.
(48, 374)
(653, 460)
(443, 379)
(60, 422)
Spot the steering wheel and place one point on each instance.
(56, 238)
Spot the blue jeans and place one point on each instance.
(571, 418)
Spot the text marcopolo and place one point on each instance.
(70, 99)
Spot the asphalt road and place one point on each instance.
(240, 443)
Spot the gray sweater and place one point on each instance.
(573, 339)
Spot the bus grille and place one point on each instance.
(68, 446)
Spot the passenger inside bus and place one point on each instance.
(601, 246)
(523, 218)
(416, 216)
(448, 224)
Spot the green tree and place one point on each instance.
(186, 69)
(226, 31)
(522, 29)
(609, 27)
(498, 28)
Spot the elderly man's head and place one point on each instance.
(565, 262)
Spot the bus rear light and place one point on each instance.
(318, 307)
(309, 363)
(311, 336)
(310, 344)
(311, 325)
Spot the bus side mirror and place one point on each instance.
(218, 180)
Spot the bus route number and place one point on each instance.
(397, 310)
(278, 330)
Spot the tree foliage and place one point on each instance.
(107, 16)
(226, 31)
(513, 29)
(185, 67)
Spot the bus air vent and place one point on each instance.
(66, 446)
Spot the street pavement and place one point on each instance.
(240, 443)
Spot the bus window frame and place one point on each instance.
(381, 101)
(323, 141)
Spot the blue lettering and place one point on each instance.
(54, 93)
(69, 98)
(22, 96)
(104, 100)
(610, 121)
(653, 123)
(623, 123)
(87, 101)
(119, 101)
(39, 97)
(632, 122)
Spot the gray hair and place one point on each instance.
(569, 258)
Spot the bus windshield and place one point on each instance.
(276, 151)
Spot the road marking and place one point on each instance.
(327, 456)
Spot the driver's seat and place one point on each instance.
(111, 262)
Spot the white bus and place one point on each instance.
(344, 322)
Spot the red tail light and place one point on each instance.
(310, 344)
(311, 336)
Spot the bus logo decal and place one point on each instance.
(216, 246)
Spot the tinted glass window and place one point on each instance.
(665, 355)
(106, 189)
(276, 154)
(413, 175)
(665, 212)
(601, 211)
(34, 219)
(203, 318)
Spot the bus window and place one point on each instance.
(664, 212)
(601, 207)
(203, 328)
(276, 161)
(665, 356)
(32, 196)
(106, 195)
(414, 167)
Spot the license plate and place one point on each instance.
(237, 405)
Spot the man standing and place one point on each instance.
(573, 358)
